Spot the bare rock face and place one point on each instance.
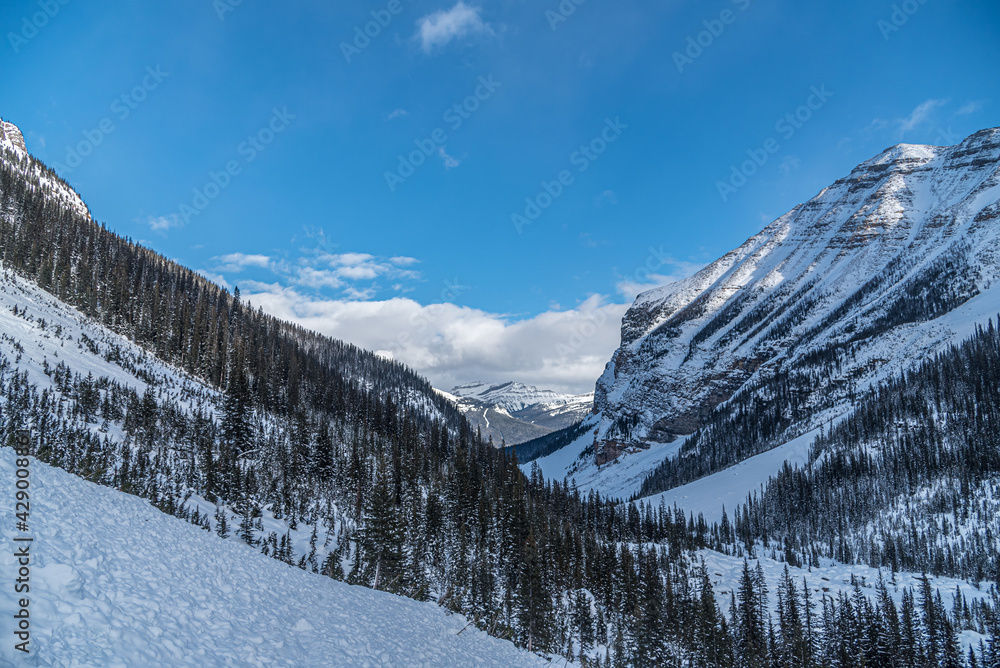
(10, 133)
(862, 275)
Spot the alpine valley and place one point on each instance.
(791, 460)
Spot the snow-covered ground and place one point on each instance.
(112, 583)
(729, 488)
(116, 583)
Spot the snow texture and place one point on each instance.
(117, 584)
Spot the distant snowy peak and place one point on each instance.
(512, 413)
(512, 397)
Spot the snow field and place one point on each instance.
(115, 583)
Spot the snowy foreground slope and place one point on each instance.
(114, 584)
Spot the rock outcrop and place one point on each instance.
(12, 134)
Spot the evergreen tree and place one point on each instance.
(382, 537)
(751, 636)
(221, 523)
(535, 602)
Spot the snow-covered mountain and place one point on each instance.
(514, 397)
(514, 413)
(10, 136)
(879, 271)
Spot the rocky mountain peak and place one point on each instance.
(11, 134)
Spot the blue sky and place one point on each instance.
(270, 147)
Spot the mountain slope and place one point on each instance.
(777, 336)
(115, 582)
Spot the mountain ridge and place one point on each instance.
(512, 413)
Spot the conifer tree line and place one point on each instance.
(399, 494)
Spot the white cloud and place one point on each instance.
(237, 262)
(789, 164)
(606, 197)
(877, 124)
(319, 269)
(163, 223)
(311, 277)
(397, 113)
(438, 29)
(451, 344)
(562, 349)
(359, 272)
(360, 294)
(218, 279)
(919, 116)
(348, 259)
(970, 107)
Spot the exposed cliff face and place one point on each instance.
(861, 274)
(9, 133)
